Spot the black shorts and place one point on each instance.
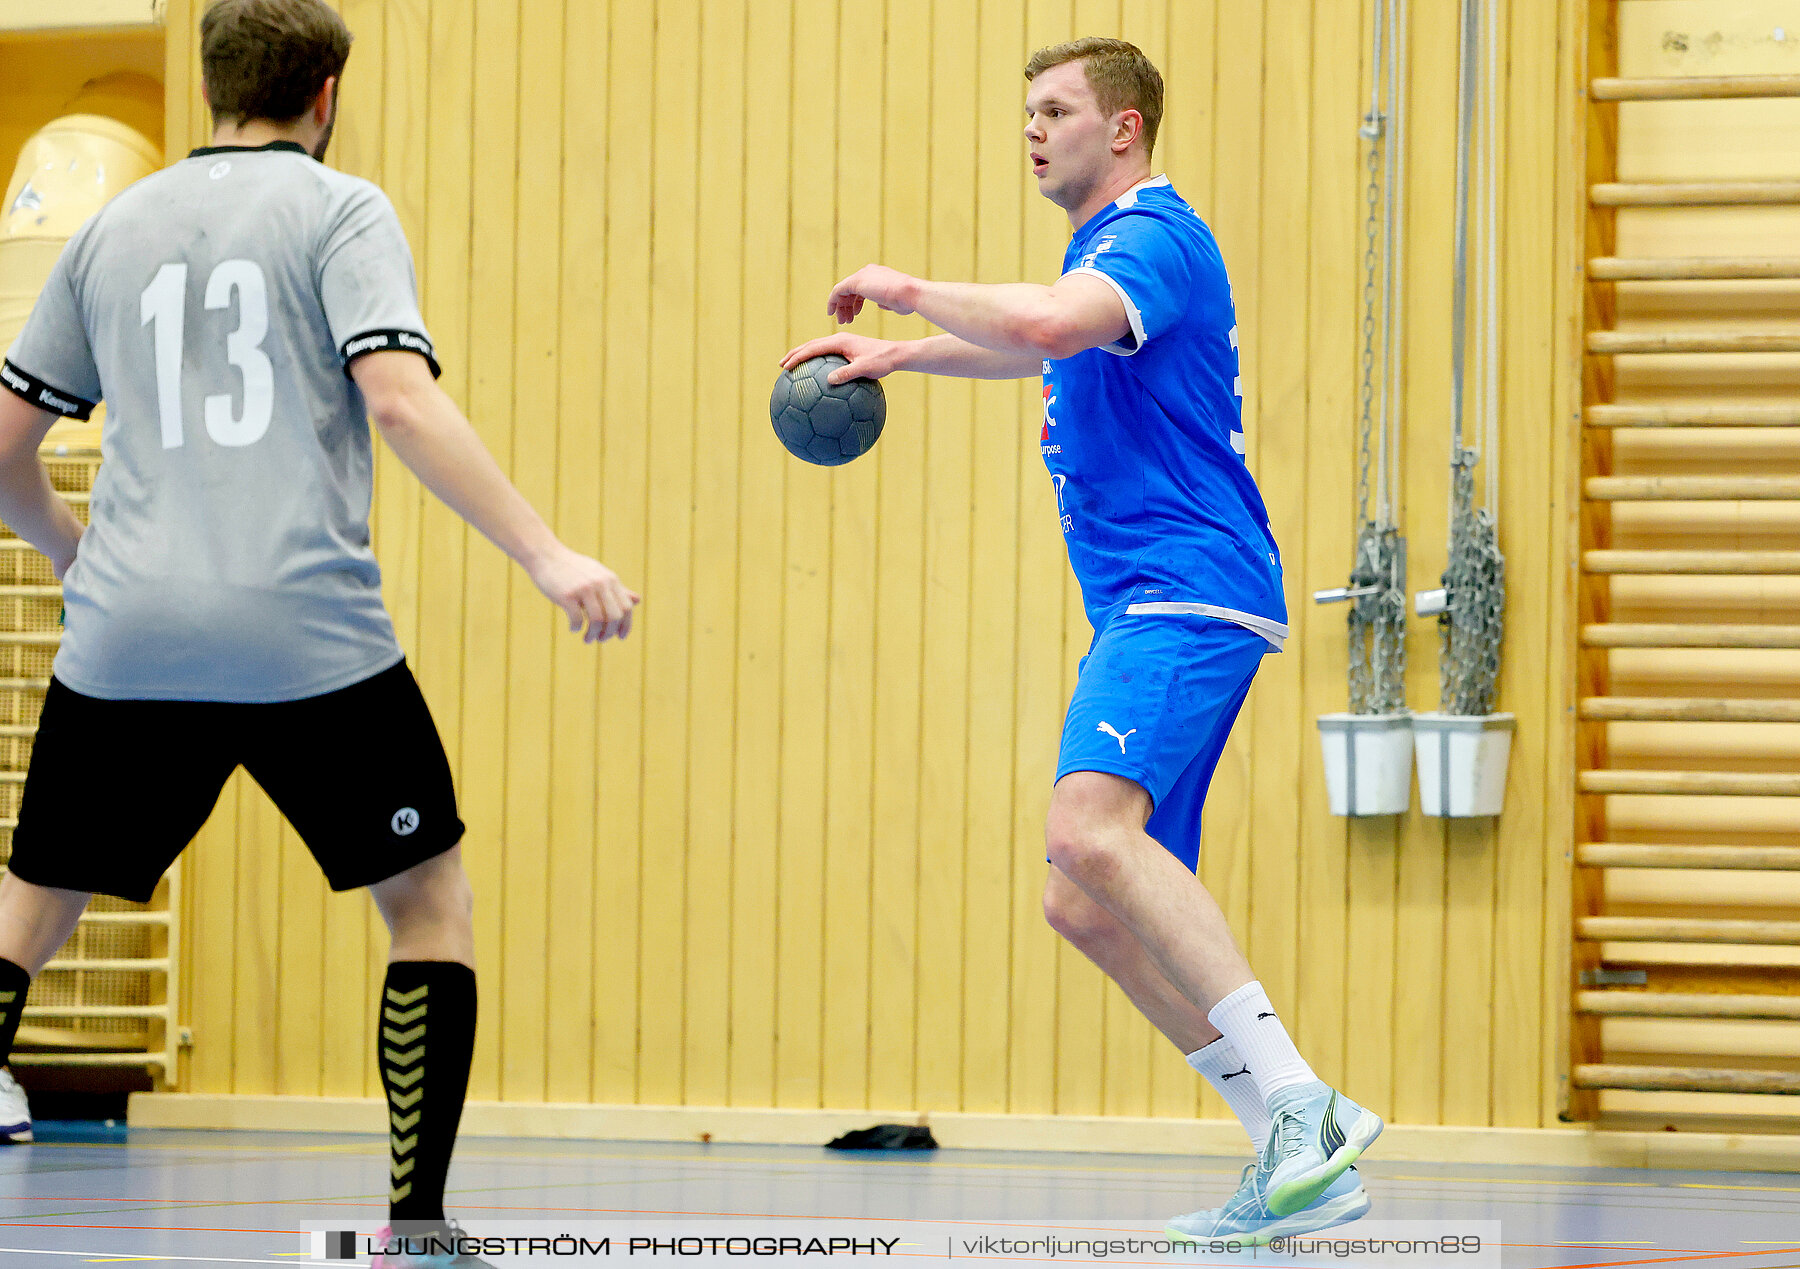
(117, 789)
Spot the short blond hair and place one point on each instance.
(1120, 75)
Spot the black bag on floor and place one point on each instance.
(885, 1137)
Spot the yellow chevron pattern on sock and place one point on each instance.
(7, 997)
(403, 1017)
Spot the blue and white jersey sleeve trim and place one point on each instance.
(1276, 632)
(1132, 315)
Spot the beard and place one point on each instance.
(324, 142)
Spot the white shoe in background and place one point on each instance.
(15, 1111)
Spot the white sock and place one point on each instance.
(1230, 1075)
(1248, 1021)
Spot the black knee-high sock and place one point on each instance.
(14, 984)
(427, 1041)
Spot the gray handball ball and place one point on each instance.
(824, 423)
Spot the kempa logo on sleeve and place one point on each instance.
(59, 404)
(383, 340)
(39, 393)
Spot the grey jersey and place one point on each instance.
(216, 306)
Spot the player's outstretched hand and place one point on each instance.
(888, 288)
(589, 592)
(868, 358)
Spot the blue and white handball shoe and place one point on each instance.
(1315, 1135)
(1246, 1218)
(15, 1111)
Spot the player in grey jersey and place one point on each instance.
(244, 313)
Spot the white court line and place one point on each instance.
(114, 1257)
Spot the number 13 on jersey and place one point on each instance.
(165, 304)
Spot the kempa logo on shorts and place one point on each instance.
(405, 821)
(1108, 729)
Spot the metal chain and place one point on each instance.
(1472, 623)
(1373, 127)
(1471, 627)
(1377, 621)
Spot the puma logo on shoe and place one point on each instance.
(1331, 1135)
(1231, 1075)
(1108, 729)
(1261, 1016)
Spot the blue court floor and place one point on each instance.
(89, 1195)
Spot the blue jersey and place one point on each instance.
(1144, 438)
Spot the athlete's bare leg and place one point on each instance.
(1104, 940)
(35, 921)
(1096, 839)
(430, 911)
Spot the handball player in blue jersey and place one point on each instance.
(1142, 431)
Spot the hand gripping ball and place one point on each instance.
(824, 423)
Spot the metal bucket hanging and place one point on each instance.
(1463, 750)
(1368, 751)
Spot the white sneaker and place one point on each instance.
(15, 1111)
(1246, 1218)
(1317, 1133)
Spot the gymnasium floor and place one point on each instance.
(86, 1194)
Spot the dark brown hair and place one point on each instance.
(1120, 75)
(268, 59)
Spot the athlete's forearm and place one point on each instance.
(30, 508)
(430, 435)
(29, 505)
(1017, 318)
(957, 357)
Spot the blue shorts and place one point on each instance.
(1155, 703)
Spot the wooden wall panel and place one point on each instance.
(577, 824)
(622, 856)
(783, 847)
(849, 723)
(1332, 397)
(712, 663)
